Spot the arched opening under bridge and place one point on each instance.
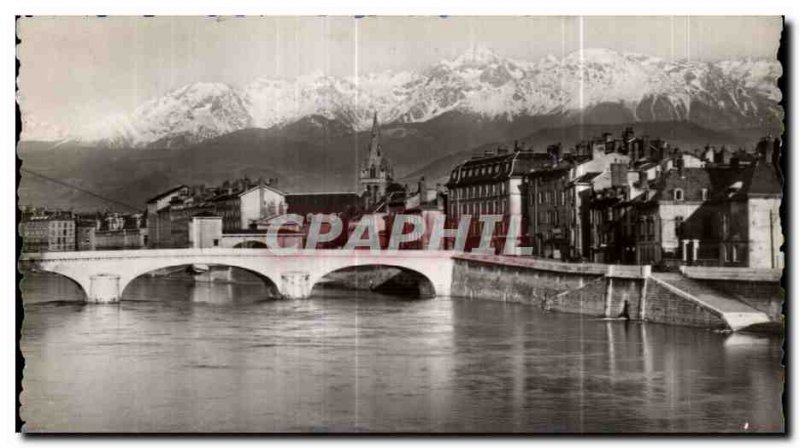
(214, 283)
(384, 279)
(251, 244)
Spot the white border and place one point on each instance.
(330, 7)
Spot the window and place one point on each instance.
(734, 254)
(678, 194)
(216, 242)
(541, 197)
(704, 194)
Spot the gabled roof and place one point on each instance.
(166, 193)
(273, 189)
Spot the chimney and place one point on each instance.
(709, 154)
(517, 147)
(765, 150)
(422, 188)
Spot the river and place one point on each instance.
(178, 356)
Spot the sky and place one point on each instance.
(78, 70)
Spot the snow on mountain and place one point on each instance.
(190, 114)
(717, 94)
(35, 129)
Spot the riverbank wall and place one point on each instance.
(614, 291)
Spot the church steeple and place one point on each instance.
(375, 142)
(376, 171)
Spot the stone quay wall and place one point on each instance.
(597, 290)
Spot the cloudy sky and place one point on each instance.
(76, 71)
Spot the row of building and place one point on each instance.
(628, 199)
(57, 231)
(631, 200)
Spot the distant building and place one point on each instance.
(241, 209)
(85, 234)
(240, 204)
(159, 224)
(205, 230)
(376, 173)
(429, 202)
(53, 232)
(305, 204)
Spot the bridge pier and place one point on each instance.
(295, 285)
(104, 288)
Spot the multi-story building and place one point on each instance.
(53, 232)
(85, 230)
(240, 204)
(719, 214)
(241, 209)
(748, 212)
(159, 225)
(490, 184)
(558, 191)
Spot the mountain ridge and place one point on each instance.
(591, 82)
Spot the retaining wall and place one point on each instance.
(592, 289)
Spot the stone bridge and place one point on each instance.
(103, 275)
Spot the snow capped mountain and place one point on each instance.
(190, 114)
(718, 95)
(35, 129)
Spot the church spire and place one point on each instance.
(375, 142)
(376, 131)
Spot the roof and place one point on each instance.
(586, 178)
(273, 189)
(305, 203)
(496, 167)
(166, 193)
(691, 180)
(764, 181)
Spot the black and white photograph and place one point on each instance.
(409, 225)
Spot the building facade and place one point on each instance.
(491, 184)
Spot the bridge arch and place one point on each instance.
(251, 244)
(378, 277)
(67, 286)
(214, 273)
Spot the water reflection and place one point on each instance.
(180, 356)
